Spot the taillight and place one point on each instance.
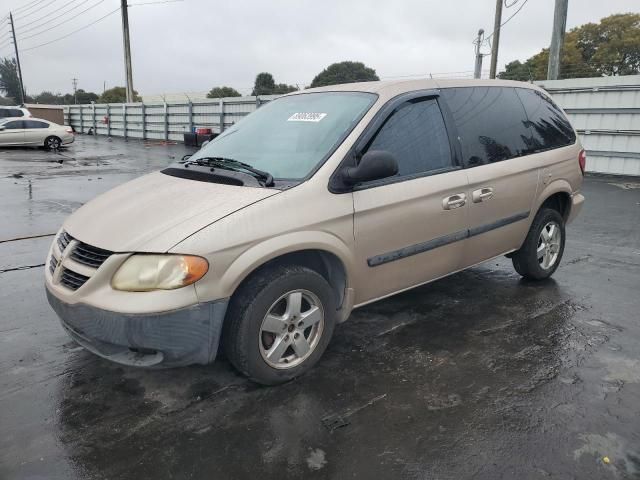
(69, 130)
(582, 160)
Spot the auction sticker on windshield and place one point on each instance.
(306, 117)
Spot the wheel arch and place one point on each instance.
(556, 195)
(318, 251)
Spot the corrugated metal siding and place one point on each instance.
(159, 120)
(606, 113)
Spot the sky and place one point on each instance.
(194, 45)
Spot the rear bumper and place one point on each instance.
(175, 338)
(577, 200)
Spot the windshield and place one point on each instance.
(290, 136)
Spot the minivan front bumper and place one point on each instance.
(169, 339)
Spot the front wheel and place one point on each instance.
(542, 250)
(52, 143)
(279, 323)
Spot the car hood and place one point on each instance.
(155, 212)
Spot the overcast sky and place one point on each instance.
(193, 45)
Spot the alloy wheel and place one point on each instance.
(291, 329)
(549, 245)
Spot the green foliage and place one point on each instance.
(50, 98)
(611, 47)
(344, 72)
(116, 95)
(9, 81)
(86, 97)
(266, 85)
(222, 92)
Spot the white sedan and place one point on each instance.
(34, 132)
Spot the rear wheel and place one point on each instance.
(279, 323)
(542, 250)
(52, 143)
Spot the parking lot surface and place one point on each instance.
(479, 375)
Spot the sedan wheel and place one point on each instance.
(52, 143)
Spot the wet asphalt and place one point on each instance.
(479, 375)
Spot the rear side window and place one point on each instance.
(491, 122)
(548, 125)
(15, 124)
(35, 124)
(10, 112)
(415, 133)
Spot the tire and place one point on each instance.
(528, 261)
(264, 324)
(52, 143)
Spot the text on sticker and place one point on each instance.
(306, 117)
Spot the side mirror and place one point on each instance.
(374, 165)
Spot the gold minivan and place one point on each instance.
(320, 202)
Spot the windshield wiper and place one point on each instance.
(231, 164)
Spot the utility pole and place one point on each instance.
(557, 38)
(477, 73)
(127, 50)
(75, 90)
(15, 44)
(496, 39)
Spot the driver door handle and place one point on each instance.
(454, 201)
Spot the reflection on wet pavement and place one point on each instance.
(478, 375)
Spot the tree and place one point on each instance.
(88, 97)
(48, 98)
(9, 81)
(222, 92)
(117, 95)
(611, 47)
(344, 72)
(266, 85)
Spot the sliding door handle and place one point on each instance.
(482, 194)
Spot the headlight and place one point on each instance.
(142, 272)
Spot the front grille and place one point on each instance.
(83, 253)
(89, 255)
(63, 240)
(71, 279)
(53, 264)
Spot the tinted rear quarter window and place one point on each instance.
(416, 135)
(13, 125)
(491, 121)
(35, 124)
(549, 127)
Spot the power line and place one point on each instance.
(63, 22)
(507, 20)
(45, 17)
(35, 11)
(71, 33)
(28, 6)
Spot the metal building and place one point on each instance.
(606, 113)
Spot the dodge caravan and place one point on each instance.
(319, 202)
